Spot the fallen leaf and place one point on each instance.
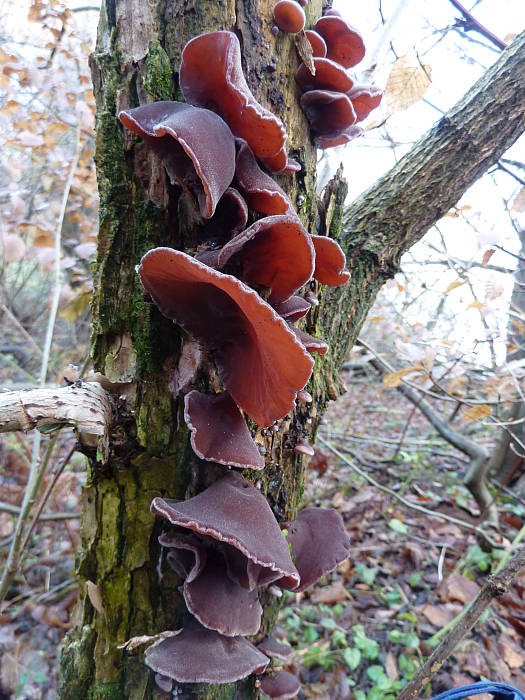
(334, 593)
(438, 615)
(391, 667)
(460, 588)
(476, 413)
(510, 655)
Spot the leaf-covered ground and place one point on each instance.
(359, 634)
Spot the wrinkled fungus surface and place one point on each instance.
(260, 190)
(234, 512)
(211, 596)
(345, 44)
(364, 99)
(328, 112)
(333, 140)
(330, 262)
(293, 308)
(281, 685)
(289, 16)
(219, 432)
(276, 650)
(195, 145)
(259, 360)
(275, 252)
(200, 655)
(211, 76)
(328, 76)
(317, 43)
(319, 543)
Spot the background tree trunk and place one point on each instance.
(138, 48)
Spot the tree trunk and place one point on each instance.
(139, 46)
(508, 458)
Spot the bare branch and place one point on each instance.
(495, 587)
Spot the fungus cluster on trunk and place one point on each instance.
(239, 299)
(332, 101)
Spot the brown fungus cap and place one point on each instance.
(319, 543)
(293, 308)
(259, 360)
(328, 76)
(230, 217)
(281, 163)
(310, 343)
(341, 139)
(330, 262)
(345, 44)
(234, 512)
(289, 16)
(199, 655)
(211, 76)
(275, 252)
(317, 43)
(281, 685)
(211, 596)
(328, 112)
(364, 99)
(260, 190)
(189, 141)
(219, 432)
(276, 650)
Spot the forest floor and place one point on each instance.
(361, 633)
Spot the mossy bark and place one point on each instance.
(125, 591)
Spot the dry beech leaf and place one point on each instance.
(476, 305)
(334, 593)
(393, 379)
(487, 255)
(518, 203)
(476, 413)
(391, 667)
(438, 615)
(460, 588)
(407, 83)
(95, 597)
(511, 657)
(454, 285)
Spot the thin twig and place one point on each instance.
(36, 472)
(472, 23)
(404, 501)
(65, 515)
(496, 586)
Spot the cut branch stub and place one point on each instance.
(211, 596)
(330, 262)
(195, 145)
(211, 76)
(219, 432)
(234, 512)
(259, 360)
(319, 543)
(200, 655)
(275, 252)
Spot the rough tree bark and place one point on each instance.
(139, 45)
